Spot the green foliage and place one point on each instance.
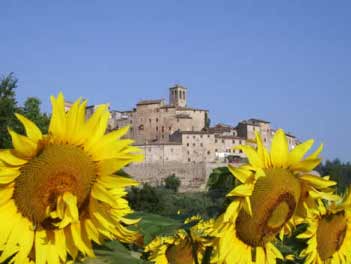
(207, 120)
(112, 252)
(166, 202)
(292, 246)
(152, 225)
(172, 183)
(219, 183)
(31, 110)
(8, 106)
(338, 171)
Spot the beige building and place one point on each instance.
(154, 121)
(175, 138)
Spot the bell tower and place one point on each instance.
(177, 96)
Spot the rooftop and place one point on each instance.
(255, 120)
(148, 102)
(184, 116)
(190, 108)
(158, 144)
(229, 137)
(194, 132)
(178, 86)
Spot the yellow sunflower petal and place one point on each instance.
(32, 131)
(8, 157)
(101, 194)
(8, 175)
(23, 145)
(74, 122)
(279, 149)
(252, 155)
(306, 165)
(317, 181)
(315, 154)
(299, 151)
(57, 125)
(240, 173)
(242, 190)
(262, 151)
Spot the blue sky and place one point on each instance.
(284, 61)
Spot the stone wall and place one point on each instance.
(193, 176)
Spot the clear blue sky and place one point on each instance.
(284, 61)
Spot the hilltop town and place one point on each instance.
(178, 139)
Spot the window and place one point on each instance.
(171, 150)
(216, 150)
(200, 136)
(187, 137)
(193, 137)
(222, 140)
(201, 144)
(208, 152)
(233, 141)
(189, 159)
(156, 119)
(130, 121)
(193, 144)
(163, 136)
(169, 128)
(149, 120)
(187, 144)
(157, 128)
(188, 152)
(208, 136)
(163, 129)
(216, 140)
(240, 151)
(141, 127)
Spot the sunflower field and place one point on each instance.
(63, 199)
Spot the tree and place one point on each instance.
(207, 121)
(338, 171)
(31, 110)
(219, 183)
(8, 106)
(172, 183)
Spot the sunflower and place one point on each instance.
(265, 203)
(183, 246)
(58, 192)
(329, 233)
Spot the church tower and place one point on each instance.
(177, 96)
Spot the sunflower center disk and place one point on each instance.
(331, 234)
(57, 169)
(273, 203)
(180, 254)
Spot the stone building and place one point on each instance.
(154, 121)
(175, 139)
